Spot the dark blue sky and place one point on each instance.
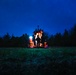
(22, 16)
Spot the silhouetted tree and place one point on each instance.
(51, 40)
(6, 40)
(14, 41)
(46, 36)
(1, 42)
(58, 39)
(73, 35)
(24, 40)
(65, 39)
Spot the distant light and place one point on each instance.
(30, 37)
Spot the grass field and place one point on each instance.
(38, 61)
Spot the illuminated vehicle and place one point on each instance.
(38, 39)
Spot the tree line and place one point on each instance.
(67, 39)
(12, 41)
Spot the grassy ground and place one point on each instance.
(26, 61)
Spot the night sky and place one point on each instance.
(23, 16)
